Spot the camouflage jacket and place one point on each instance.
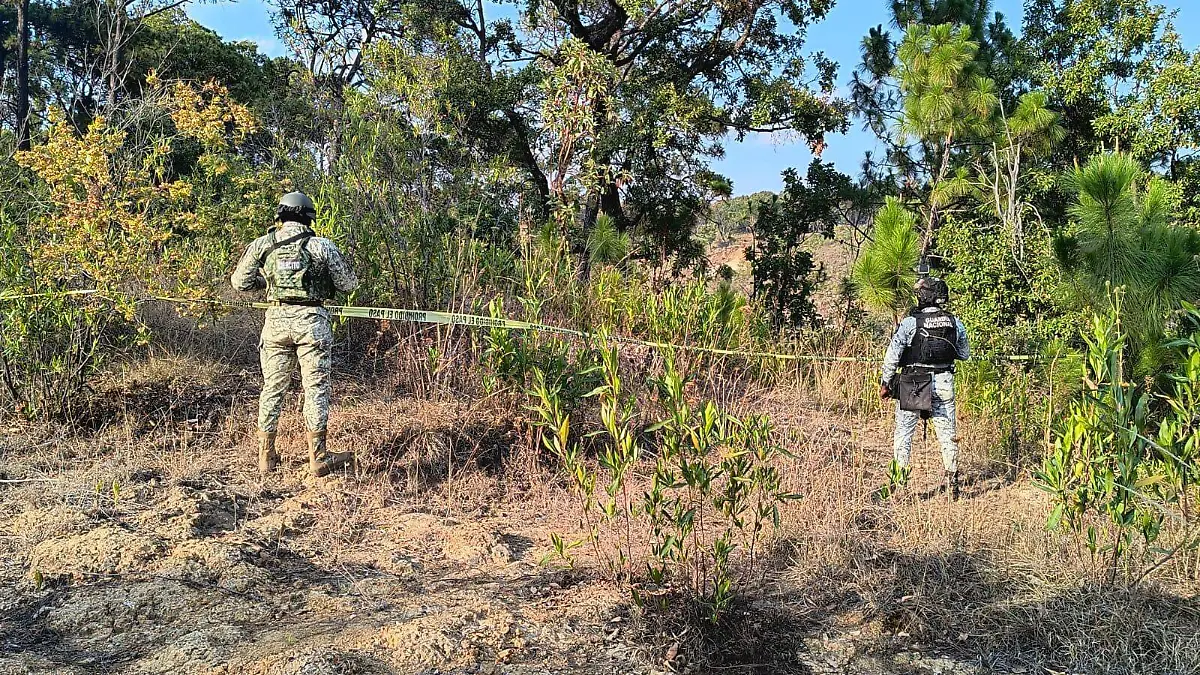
(323, 252)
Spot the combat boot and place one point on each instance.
(320, 460)
(952, 484)
(268, 457)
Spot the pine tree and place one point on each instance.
(1125, 236)
(885, 273)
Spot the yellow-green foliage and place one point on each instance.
(713, 498)
(113, 211)
(116, 214)
(1124, 461)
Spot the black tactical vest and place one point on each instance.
(935, 342)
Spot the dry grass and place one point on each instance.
(979, 579)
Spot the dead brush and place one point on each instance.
(343, 519)
(730, 573)
(756, 634)
(434, 362)
(979, 578)
(696, 518)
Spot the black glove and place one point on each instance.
(260, 282)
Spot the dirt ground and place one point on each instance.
(149, 545)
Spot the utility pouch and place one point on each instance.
(916, 392)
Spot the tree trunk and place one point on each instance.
(116, 35)
(610, 205)
(525, 157)
(23, 75)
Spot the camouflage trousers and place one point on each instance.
(942, 420)
(291, 335)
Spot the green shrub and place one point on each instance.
(1124, 461)
(711, 504)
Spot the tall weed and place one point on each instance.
(1123, 461)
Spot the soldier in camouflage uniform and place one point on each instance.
(929, 340)
(299, 271)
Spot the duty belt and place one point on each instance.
(301, 303)
(932, 370)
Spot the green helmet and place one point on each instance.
(296, 206)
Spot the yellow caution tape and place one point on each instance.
(448, 318)
(5, 297)
(478, 321)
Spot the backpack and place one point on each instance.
(935, 342)
(292, 276)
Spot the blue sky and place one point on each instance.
(754, 164)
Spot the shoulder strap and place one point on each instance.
(275, 245)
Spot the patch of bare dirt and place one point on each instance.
(834, 256)
(190, 564)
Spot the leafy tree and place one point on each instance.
(1187, 177)
(673, 80)
(1120, 73)
(118, 24)
(733, 215)
(691, 72)
(1009, 305)
(945, 107)
(175, 47)
(71, 65)
(876, 90)
(333, 40)
(785, 274)
(44, 59)
(1005, 179)
(107, 210)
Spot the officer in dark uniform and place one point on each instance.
(929, 340)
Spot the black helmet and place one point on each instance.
(931, 292)
(296, 206)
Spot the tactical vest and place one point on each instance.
(935, 342)
(292, 276)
